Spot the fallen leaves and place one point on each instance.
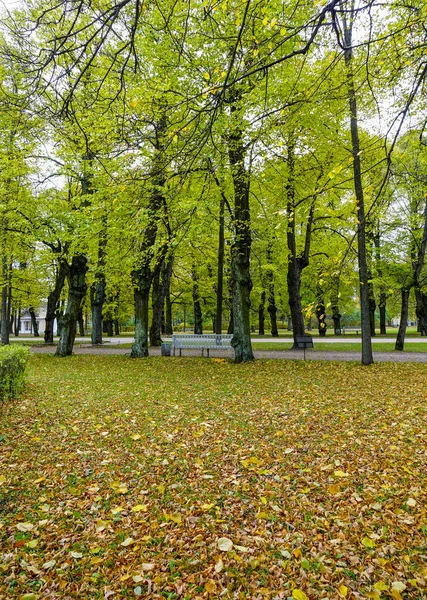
(305, 490)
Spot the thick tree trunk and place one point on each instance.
(142, 276)
(116, 327)
(321, 312)
(76, 293)
(168, 313)
(161, 285)
(400, 340)
(421, 311)
(241, 247)
(261, 314)
(81, 323)
(220, 275)
(34, 324)
(53, 300)
(296, 264)
(272, 308)
(367, 356)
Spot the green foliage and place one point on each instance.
(13, 360)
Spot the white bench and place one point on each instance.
(356, 329)
(205, 341)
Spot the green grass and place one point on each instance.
(120, 475)
(341, 346)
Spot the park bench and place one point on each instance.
(205, 341)
(356, 329)
(303, 342)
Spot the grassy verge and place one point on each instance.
(121, 477)
(341, 346)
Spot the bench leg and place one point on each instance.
(180, 351)
(207, 351)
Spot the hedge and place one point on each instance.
(13, 360)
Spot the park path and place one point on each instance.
(397, 357)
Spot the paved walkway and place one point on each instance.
(397, 357)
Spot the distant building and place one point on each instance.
(26, 326)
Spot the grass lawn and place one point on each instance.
(341, 346)
(121, 478)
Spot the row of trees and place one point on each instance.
(165, 149)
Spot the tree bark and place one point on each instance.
(321, 312)
(142, 275)
(241, 247)
(220, 275)
(97, 290)
(34, 324)
(161, 283)
(53, 300)
(76, 292)
(400, 340)
(367, 356)
(198, 317)
(421, 311)
(261, 314)
(4, 297)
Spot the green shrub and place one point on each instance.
(13, 360)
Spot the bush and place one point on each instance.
(13, 360)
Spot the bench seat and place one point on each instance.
(204, 341)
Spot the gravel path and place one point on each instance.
(416, 357)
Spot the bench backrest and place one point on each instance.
(193, 340)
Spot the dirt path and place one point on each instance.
(398, 357)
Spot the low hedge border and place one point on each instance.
(13, 360)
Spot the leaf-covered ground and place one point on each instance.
(196, 478)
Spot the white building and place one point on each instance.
(26, 327)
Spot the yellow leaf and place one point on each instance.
(128, 541)
(262, 515)
(135, 436)
(297, 553)
(396, 595)
(368, 543)
(373, 595)
(210, 586)
(299, 595)
(206, 76)
(264, 500)
(381, 585)
(343, 590)
(161, 488)
(340, 474)
(2, 479)
(117, 510)
(207, 506)
(219, 566)
(176, 519)
(139, 508)
(32, 543)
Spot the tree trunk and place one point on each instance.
(272, 308)
(53, 300)
(18, 321)
(220, 276)
(261, 314)
(34, 324)
(168, 313)
(421, 311)
(400, 340)
(336, 315)
(157, 302)
(161, 285)
(321, 312)
(367, 356)
(116, 327)
(142, 275)
(76, 293)
(97, 290)
(198, 317)
(81, 323)
(241, 247)
(4, 296)
(383, 313)
(372, 307)
(296, 263)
